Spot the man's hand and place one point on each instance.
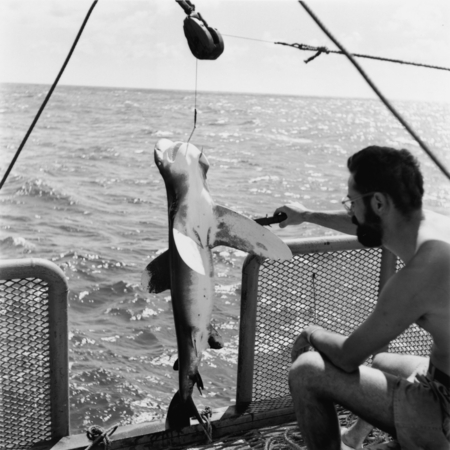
(296, 214)
(301, 345)
(303, 341)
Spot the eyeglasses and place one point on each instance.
(348, 202)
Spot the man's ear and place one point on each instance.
(380, 203)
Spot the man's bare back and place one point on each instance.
(433, 256)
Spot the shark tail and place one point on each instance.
(180, 411)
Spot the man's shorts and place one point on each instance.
(421, 414)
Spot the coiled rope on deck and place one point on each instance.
(97, 434)
(206, 415)
(277, 443)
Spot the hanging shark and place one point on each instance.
(196, 226)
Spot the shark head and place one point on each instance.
(178, 160)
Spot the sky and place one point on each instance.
(141, 44)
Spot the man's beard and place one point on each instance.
(369, 233)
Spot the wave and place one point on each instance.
(218, 122)
(11, 242)
(39, 188)
(251, 122)
(264, 178)
(90, 258)
(100, 294)
(161, 133)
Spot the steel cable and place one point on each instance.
(47, 98)
(376, 90)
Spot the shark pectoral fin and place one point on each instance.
(156, 276)
(240, 232)
(189, 251)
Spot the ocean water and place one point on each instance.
(86, 194)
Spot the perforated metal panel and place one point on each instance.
(24, 362)
(27, 370)
(334, 289)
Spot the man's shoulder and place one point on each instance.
(434, 227)
(427, 273)
(426, 278)
(432, 254)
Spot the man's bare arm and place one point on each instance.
(396, 309)
(336, 220)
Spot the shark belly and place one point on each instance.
(192, 303)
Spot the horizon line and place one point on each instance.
(443, 101)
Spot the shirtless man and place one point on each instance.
(405, 395)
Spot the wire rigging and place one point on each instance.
(325, 50)
(49, 94)
(247, 38)
(217, 48)
(321, 49)
(376, 90)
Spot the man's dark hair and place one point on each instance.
(392, 172)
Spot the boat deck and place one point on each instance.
(248, 431)
(283, 437)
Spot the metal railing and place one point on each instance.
(34, 391)
(333, 282)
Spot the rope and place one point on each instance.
(96, 433)
(47, 98)
(206, 415)
(195, 101)
(321, 50)
(279, 443)
(291, 443)
(376, 90)
(248, 39)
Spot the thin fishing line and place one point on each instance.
(47, 98)
(195, 101)
(376, 90)
(248, 39)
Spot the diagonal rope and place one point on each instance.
(321, 50)
(47, 98)
(376, 90)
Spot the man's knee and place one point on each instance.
(305, 370)
(382, 361)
